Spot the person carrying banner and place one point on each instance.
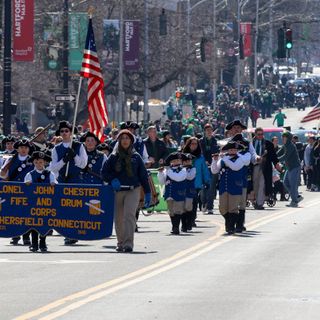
(71, 154)
(91, 174)
(125, 171)
(174, 179)
(15, 169)
(39, 175)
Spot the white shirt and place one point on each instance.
(28, 177)
(80, 160)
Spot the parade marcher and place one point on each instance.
(307, 161)
(15, 169)
(174, 179)
(202, 179)
(191, 192)
(289, 155)
(103, 147)
(68, 151)
(126, 173)
(262, 171)
(91, 174)
(209, 147)
(230, 185)
(40, 142)
(7, 145)
(39, 175)
(68, 154)
(235, 129)
(156, 148)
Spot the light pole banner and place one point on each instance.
(78, 24)
(53, 41)
(111, 38)
(23, 30)
(131, 45)
(246, 29)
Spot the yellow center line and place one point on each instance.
(148, 272)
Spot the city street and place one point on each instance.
(268, 272)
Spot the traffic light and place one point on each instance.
(203, 49)
(289, 39)
(281, 53)
(163, 23)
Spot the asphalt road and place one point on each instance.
(269, 272)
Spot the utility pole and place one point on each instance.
(7, 68)
(120, 86)
(238, 56)
(271, 32)
(255, 79)
(188, 46)
(65, 75)
(146, 63)
(214, 50)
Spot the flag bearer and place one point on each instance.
(231, 183)
(15, 169)
(39, 175)
(174, 179)
(68, 152)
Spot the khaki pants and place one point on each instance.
(258, 185)
(126, 205)
(243, 201)
(229, 203)
(175, 207)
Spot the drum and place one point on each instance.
(154, 194)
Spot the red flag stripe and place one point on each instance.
(91, 69)
(314, 114)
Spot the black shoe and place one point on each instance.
(136, 229)
(210, 212)
(119, 249)
(44, 249)
(26, 242)
(69, 242)
(50, 233)
(33, 248)
(14, 242)
(127, 249)
(194, 225)
(259, 207)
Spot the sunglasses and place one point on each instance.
(64, 131)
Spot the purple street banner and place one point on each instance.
(131, 45)
(82, 212)
(23, 30)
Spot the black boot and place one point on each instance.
(184, 220)
(26, 239)
(188, 216)
(226, 219)
(240, 221)
(231, 223)
(176, 222)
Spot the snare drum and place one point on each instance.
(154, 194)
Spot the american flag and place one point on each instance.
(98, 114)
(314, 114)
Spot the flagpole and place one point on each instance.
(90, 13)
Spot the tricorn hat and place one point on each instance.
(7, 139)
(171, 157)
(187, 156)
(87, 135)
(23, 143)
(40, 155)
(235, 123)
(232, 145)
(65, 124)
